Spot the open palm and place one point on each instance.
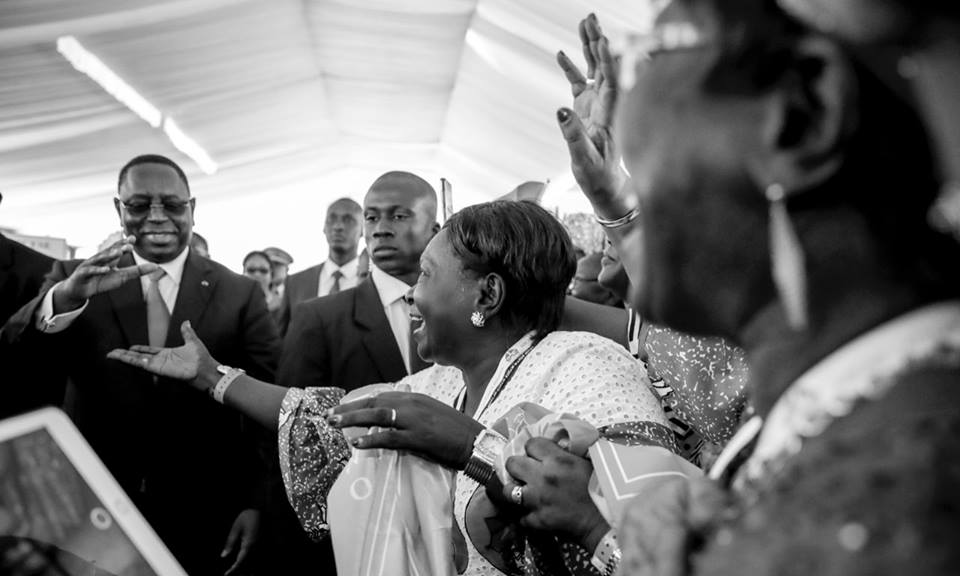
(180, 363)
(594, 159)
(594, 94)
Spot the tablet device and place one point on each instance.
(62, 512)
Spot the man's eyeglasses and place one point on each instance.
(169, 207)
(667, 37)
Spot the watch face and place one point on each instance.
(489, 445)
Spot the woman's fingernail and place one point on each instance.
(333, 420)
(357, 442)
(328, 413)
(563, 115)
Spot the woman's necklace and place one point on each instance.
(461, 401)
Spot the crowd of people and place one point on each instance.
(777, 395)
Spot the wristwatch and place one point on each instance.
(229, 374)
(606, 558)
(486, 447)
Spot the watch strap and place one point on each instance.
(229, 375)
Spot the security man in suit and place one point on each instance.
(340, 271)
(361, 335)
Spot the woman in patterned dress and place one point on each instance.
(784, 182)
(488, 301)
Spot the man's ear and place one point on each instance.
(116, 206)
(808, 117)
(491, 296)
(435, 228)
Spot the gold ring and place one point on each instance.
(393, 417)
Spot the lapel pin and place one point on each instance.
(204, 283)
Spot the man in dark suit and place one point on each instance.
(341, 269)
(189, 464)
(22, 270)
(361, 335)
(21, 273)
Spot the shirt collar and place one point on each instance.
(173, 268)
(349, 269)
(390, 289)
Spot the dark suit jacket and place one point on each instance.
(21, 274)
(189, 464)
(341, 340)
(22, 270)
(299, 287)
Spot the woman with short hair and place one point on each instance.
(488, 301)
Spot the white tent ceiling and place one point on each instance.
(298, 101)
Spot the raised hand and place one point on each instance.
(181, 363)
(594, 158)
(98, 274)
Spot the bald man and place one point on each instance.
(342, 228)
(361, 335)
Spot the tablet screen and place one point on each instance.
(51, 522)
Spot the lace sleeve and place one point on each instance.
(312, 454)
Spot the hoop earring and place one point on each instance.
(787, 259)
(477, 319)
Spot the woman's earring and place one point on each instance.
(477, 319)
(787, 259)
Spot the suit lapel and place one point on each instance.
(313, 286)
(129, 307)
(378, 337)
(6, 253)
(196, 287)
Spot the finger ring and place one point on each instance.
(517, 495)
(393, 417)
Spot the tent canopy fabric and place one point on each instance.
(299, 102)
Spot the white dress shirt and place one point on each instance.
(391, 292)
(348, 280)
(169, 286)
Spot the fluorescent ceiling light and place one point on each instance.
(88, 63)
(188, 146)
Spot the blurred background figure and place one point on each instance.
(586, 284)
(340, 271)
(256, 266)
(199, 245)
(280, 261)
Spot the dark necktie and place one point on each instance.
(337, 275)
(158, 316)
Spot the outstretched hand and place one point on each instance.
(594, 158)
(181, 363)
(98, 274)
